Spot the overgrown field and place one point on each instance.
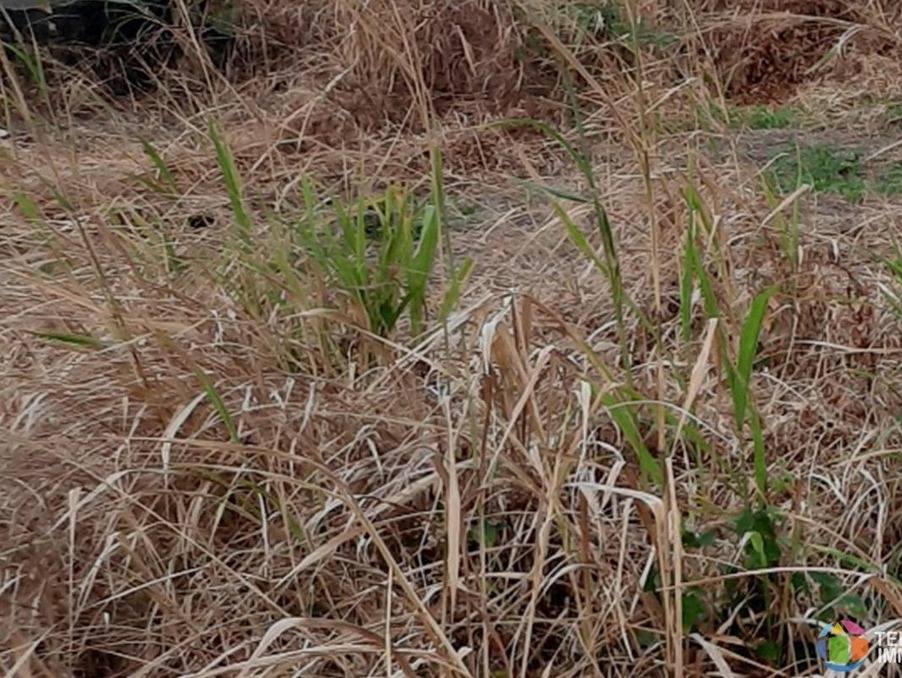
(453, 338)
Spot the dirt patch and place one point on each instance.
(764, 50)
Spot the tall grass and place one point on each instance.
(265, 414)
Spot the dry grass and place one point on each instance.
(209, 482)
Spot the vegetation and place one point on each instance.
(829, 170)
(351, 344)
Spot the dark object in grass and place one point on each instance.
(199, 221)
(98, 23)
(127, 42)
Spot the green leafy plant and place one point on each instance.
(743, 600)
(603, 17)
(746, 600)
(826, 169)
(381, 253)
(371, 259)
(709, 115)
(618, 401)
(232, 182)
(764, 117)
(694, 275)
(739, 376)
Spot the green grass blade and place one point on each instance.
(421, 266)
(217, 403)
(159, 163)
(232, 182)
(758, 455)
(28, 207)
(690, 256)
(452, 296)
(81, 340)
(751, 331)
(625, 420)
(748, 349)
(551, 190)
(579, 239)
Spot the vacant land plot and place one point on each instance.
(427, 338)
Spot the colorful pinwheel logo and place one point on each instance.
(843, 646)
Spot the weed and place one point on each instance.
(763, 117)
(608, 19)
(828, 170)
(825, 168)
(889, 181)
(756, 116)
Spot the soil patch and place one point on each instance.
(764, 50)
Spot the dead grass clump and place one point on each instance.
(404, 60)
(394, 63)
(211, 463)
(335, 512)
